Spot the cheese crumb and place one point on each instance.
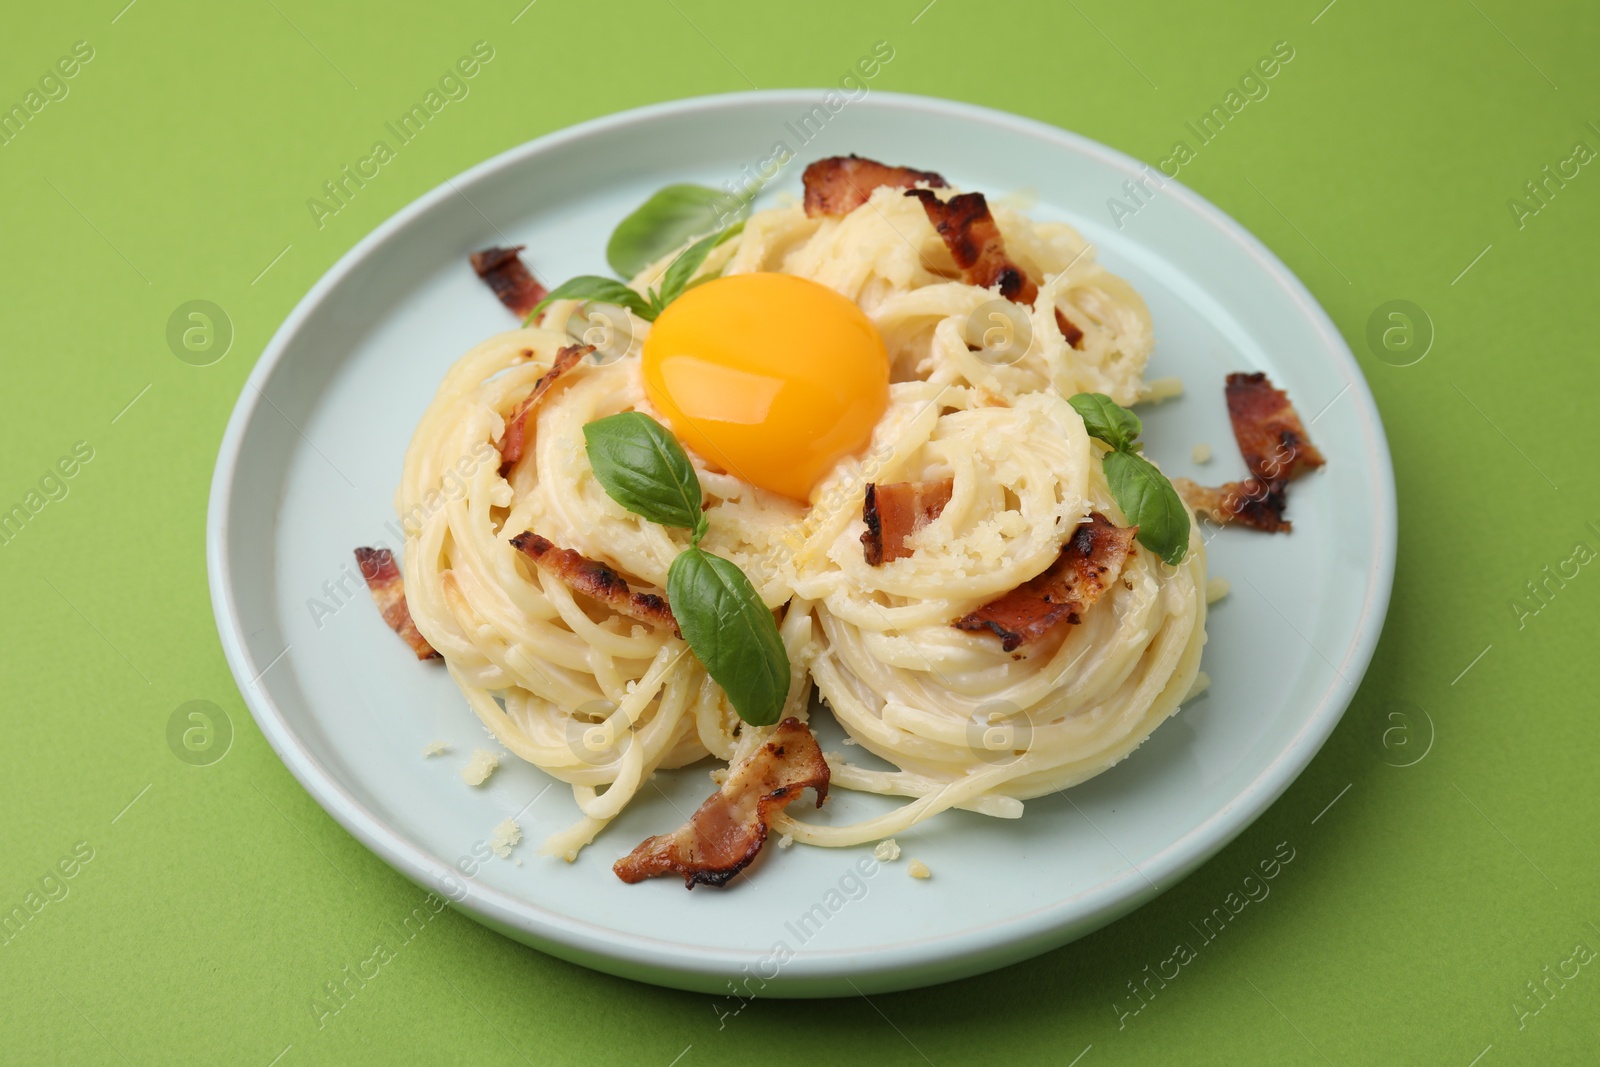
(1158, 390)
(1216, 589)
(505, 838)
(1201, 453)
(483, 764)
(888, 850)
(435, 748)
(918, 869)
(785, 841)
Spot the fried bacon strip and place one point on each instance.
(1089, 562)
(1271, 437)
(389, 593)
(1252, 502)
(1276, 449)
(504, 272)
(728, 830)
(595, 580)
(517, 426)
(896, 510)
(840, 184)
(975, 243)
(1071, 333)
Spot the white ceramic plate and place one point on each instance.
(310, 473)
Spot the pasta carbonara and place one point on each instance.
(602, 700)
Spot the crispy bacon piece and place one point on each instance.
(1271, 437)
(896, 510)
(1275, 447)
(840, 184)
(1252, 502)
(1073, 335)
(389, 593)
(517, 425)
(504, 272)
(728, 830)
(594, 579)
(1089, 562)
(975, 243)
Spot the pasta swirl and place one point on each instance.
(601, 701)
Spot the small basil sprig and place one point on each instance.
(731, 632)
(643, 468)
(1143, 493)
(594, 287)
(665, 221)
(675, 280)
(1108, 420)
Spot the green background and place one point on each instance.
(1419, 905)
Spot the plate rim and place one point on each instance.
(874, 968)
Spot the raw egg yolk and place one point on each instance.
(769, 377)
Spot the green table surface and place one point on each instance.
(1443, 902)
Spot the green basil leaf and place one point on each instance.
(680, 271)
(731, 632)
(662, 223)
(1107, 420)
(643, 468)
(1150, 502)
(594, 287)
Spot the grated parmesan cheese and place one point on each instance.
(1201, 453)
(505, 838)
(785, 841)
(1159, 390)
(888, 850)
(918, 869)
(482, 765)
(435, 748)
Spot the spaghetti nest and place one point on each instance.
(601, 701)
